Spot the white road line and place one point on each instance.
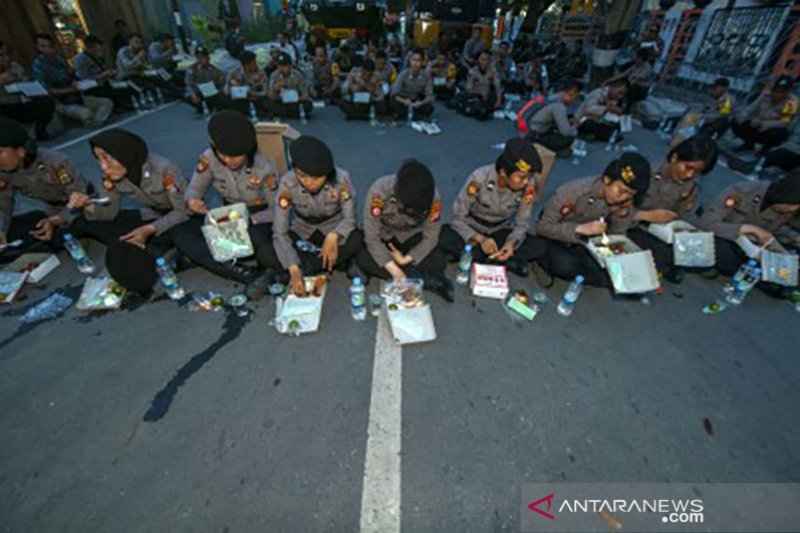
(114, 125)
(380, 497)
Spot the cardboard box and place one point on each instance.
(295, 315)
(489, 281)
(666, 232)
(779, 267)
(412, 325)
(42, 265)
(690, 246)
(601, 253)
(272, 138)
(632, 272)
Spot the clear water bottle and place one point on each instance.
(740, 274)
(358, 300)
(205, 109)
(373, 121)
(741, 289)
(305, 246)
(755, 175)
(159, 96)
(410, 117)
(137, 107)
(303, 117)
(660, 129)
(576, 153)
(151, 101)
(567, 304)
(612, 141)
(78, 254)
(252, 111)
(464, 265)
(169, 279)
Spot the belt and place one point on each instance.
(486, 223)
(316, 221)
(256, 208)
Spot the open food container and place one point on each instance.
(410, 316)
(37, 265)
(631, 269)
(489, 281)
(295, 315)
(226, 234)
(101, 294)
(778, 265)
(10, 285)
(691, 247)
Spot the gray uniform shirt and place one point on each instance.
(594, 106)
(480, 82)
(88, 67)
(197, 75)
(332, 209)
(129, 63)
(577, 202)
(383, 222)
(666, 193)
(771, 115)
(472, 47)
(160, 190)
(553, 114)
(294, 81)
(255, 82)
(741, 204)
(255, 186)
(159, 56)
(52, 177)
(355, 83)
(417, 88)
(481, 207)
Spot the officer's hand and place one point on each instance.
(489, 246)
(330, 251)
(762, 236)
(590, 229)
(197, 206)
(505, 253)
(195, 99)
(44, 230)
(396, 272)
(3, 238)
(139, 236)
(297, 282)
(656, 216)
(399, 257)
(77, 200)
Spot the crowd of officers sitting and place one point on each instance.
(403, 232)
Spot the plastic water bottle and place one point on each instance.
(303, 117)
(740, 274)
(84, 262)
(756, 174)
(159, 96)
(206, 112)
(305, 246)
(464, 265)
(137, 107)
(358, 300)
(660, 128)
(567, 304)
(252, 111)
(410, 117)
(373, 121)
(576, 152)
(741, 289)
(151, 102)
(169, 279)
(612, 141)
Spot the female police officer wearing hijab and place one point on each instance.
(232, 166)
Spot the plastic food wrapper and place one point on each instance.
(37, 265)
(295, 315)
(779, 267)
(225, 231)
(490, 281)
(521, 307)
(51, 307)
(690, 246)
(101, 294)
(10, 284)
(410, 317)
(631, 269)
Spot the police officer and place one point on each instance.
(673, 194)
(131, 267)
(286, 78)
(402, 222)
(250, 76)
(767, 120)
(444, 74)
(316, 204)
(493, 210)
(551, 126)
(589, 207)
(484, 90)
(325, 75)
(233, 168)
(413, 88)
(716, 115)
(363, 80)
(472, 49)
(602, 100)
(762, 211)
(204, 72)
(131, 171)
(40, 174)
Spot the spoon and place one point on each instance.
(604, 240)
(105, 200)
(12, 244)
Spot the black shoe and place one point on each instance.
(519, 267)
(564, 153)
(744, 147)
(779, 292)
(352, 270)
(256, 289)
(542, 276)
(441, 286)
(674, 275)
(710, 273)
(241, 273)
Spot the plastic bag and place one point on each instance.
(51, 307)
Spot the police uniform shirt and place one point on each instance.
(473, 47)
(667, 193)
(741, 204)
(447, 72)
(51, 178)
(256, 82)
(161, 190)
(383, 221)
(577, 202)
(294, 81)
(88, 67)
(502, 65)
(129, 63)
(719, 108)
(594, 107)
(771, 115)
(324, 73)
(197, 75)
(641, 75)
(255, 186)
(387, 74)
(356, 83)
(554, 113)
(17, 74)
(332, 209)
(481, 207)
(419, 87)
(481, 82)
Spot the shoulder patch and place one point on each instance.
(731, 201)
(202, 164)
(169, 183)
(436, 211)
(345, 192)
(757, 199)
(63, 175)
(254, 181)
(530, 191)
(108, 184)
(472, 188)
(271, 181)
(566, 209)
(376, 206)
(333, 193)
(285, 200)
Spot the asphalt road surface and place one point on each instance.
(155, 418)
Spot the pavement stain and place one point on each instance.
(231, 329)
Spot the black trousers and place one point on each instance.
(150, 83)
(472, 105)
(717, 127)
(770, 138)
(288, 110)
(730, 257)
(354, 111)
(434, 263)
(601, 131)
(39, 111)
(451, 243)
(565, 261)
(311, 264)
(662, 252)
(189, 240)
(109, 231)
(783, 158)
(242, 105)
(552, 140)
(400, 111)
(214, 103)
(443, 92)
(20, 228)
(122, 97)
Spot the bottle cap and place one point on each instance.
(160, 261)
(468, 248)
(357, 280)
(580, 278)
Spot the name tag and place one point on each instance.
(239, 93)
(439, 82)
(290, 96)
(361, 98)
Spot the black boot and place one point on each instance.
(674, 275)
(519, 267)
(440, 285)
(542, 276)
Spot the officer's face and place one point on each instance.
(616, 192)
(518, 180)
(320, 54)
(483, 61)
(686, 170)
(503, 50)
(569, 97)
(416, 62)
(11, 158)
(285, 69)
(617, 92)
(233, 162)
(95, 49)
(110, 166)
(380, 63)
(786, 209)
(441, 60)
(136, 43)
(312, 184)
(45, 47)
(717, 91)
(778, 94)
(476, 33)
(202, 61)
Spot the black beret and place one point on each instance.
(201, 51)
(284, 59)
(368, 65)
(722, 82)
(311, 156)
(126, 147)
(784, 83)
(633, 169)
(231, 133)
(523, 156)
(415, 188)
(12, 135)
(131, 267)
(783, 191)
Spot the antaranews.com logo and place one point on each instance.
(672, 511)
